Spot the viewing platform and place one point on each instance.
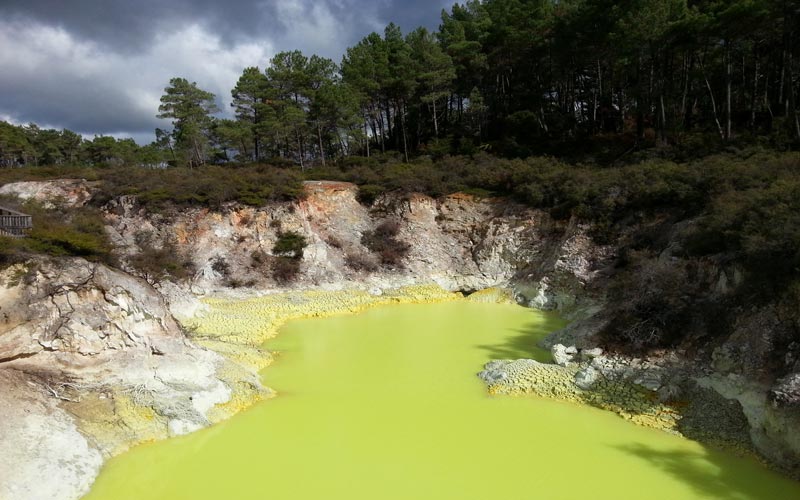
(14, 224)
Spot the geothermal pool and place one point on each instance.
(386, 405)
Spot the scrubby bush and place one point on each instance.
(258, 259)
(79, 232)
(759, 226)
(285, 269)
(156, 262)
(237, 283)
(288, 251)
(651, 304)
(383, 242)
(360, 262)
(209, 186)
(221, 267)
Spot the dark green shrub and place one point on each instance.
(290, 244)
(369, 192)
(758, 226)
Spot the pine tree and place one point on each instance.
(190, 109)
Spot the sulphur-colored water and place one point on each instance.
(386, 405)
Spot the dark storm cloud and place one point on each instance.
(413, 13)
(84, 106)
(129, 25)
(99, 66)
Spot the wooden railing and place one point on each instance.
(13, 223)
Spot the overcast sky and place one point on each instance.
(100, 66)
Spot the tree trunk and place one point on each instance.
(435, 121)
(366, 134)
(792, 116)
(662, 134)
(728, 78)
(598, 98)
(256, 141)
(402, 110)
(381, 127)
(321, 149)
(300, 146)
(791, 102)
(196, 148)
(390, 132)
(342, 145)
(713, 100)
(172, 151)
(686, 112)
(783, 72)
(661, 119)
(639, 99)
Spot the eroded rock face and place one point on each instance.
(458, 242)
(565, 274)
(78, 314)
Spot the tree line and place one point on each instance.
(513, 77)
(30, 145)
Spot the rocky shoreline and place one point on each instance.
(643, 393)
(665, 393)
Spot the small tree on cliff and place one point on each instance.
(190, 109)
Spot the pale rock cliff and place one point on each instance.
(87, 351)
(458, 242)
(67, 193)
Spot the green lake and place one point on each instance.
(386, 405)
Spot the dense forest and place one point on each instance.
(511, 77)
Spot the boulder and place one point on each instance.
(591, 353)
(563, 355)
(493, 372)
(586, 377)
(786, 391)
